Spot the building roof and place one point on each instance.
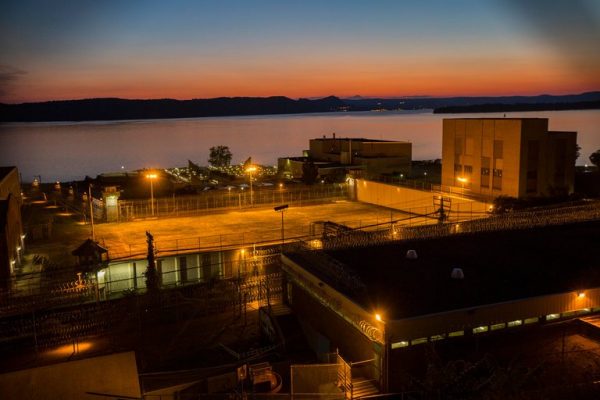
(365, 140)
(89, 248)
(497, 266)
(499, 118)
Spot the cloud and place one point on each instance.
(8, 77)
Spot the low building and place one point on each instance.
(333, 156)
(375, 303)
(11, 227)
(517, 157)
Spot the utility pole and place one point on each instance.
(91, 211)
(282, 209)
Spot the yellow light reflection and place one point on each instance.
(71, 348)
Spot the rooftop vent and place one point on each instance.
(457, 273)
(411, 254)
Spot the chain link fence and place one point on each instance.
(215, 201)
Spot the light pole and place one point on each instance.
(91, 211)
(281, 209)
(152, 177)
(250, 170)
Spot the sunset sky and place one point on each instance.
(195, 49)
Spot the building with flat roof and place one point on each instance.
(11, 226)
(373, 303)
(515, 157)
(334, 154)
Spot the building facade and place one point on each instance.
(515, 157)
(11, 227)
(333, 320)
(334, 156)
(377, 156)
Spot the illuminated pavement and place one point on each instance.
(237, 228)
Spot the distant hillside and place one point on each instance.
(488, 108)
(122, 109)
(415, 103)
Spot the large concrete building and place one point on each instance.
(515, 157)
(11, 228)
(379, 305)
(332, 155)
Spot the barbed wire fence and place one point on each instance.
(398, 230)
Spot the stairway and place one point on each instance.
(363, 387)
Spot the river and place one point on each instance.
(71, 150)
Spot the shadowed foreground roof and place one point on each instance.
(498, 266)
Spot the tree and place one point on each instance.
(577, 151)
(219, 156)
(595, 158)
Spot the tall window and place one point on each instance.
(485, 172)
(497, 179)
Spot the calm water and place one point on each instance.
(69, 151)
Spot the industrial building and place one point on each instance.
(516, 157)
(332, 155)
(11, 227)
(379, 303)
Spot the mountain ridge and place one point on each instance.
(112, 108)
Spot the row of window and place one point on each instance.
(492, 327)
(460, 170)
(466, 145)
(468, 170)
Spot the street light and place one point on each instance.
(462, 180)
(281, 209)
(250, 170)
(152, 177)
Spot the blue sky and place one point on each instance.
(198, 49)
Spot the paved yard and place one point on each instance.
(213, 230)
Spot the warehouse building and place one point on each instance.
(375, 304)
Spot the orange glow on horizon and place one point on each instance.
(460, 78)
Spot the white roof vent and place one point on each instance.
(411, 254)
(457, 273)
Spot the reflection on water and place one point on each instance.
(68, 151)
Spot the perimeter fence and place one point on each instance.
(223, 200)
(50, 324)
(398, 230)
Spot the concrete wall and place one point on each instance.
(11, 241)
(115, 374)
(11, 184)
(334, 316)
(411, 200)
